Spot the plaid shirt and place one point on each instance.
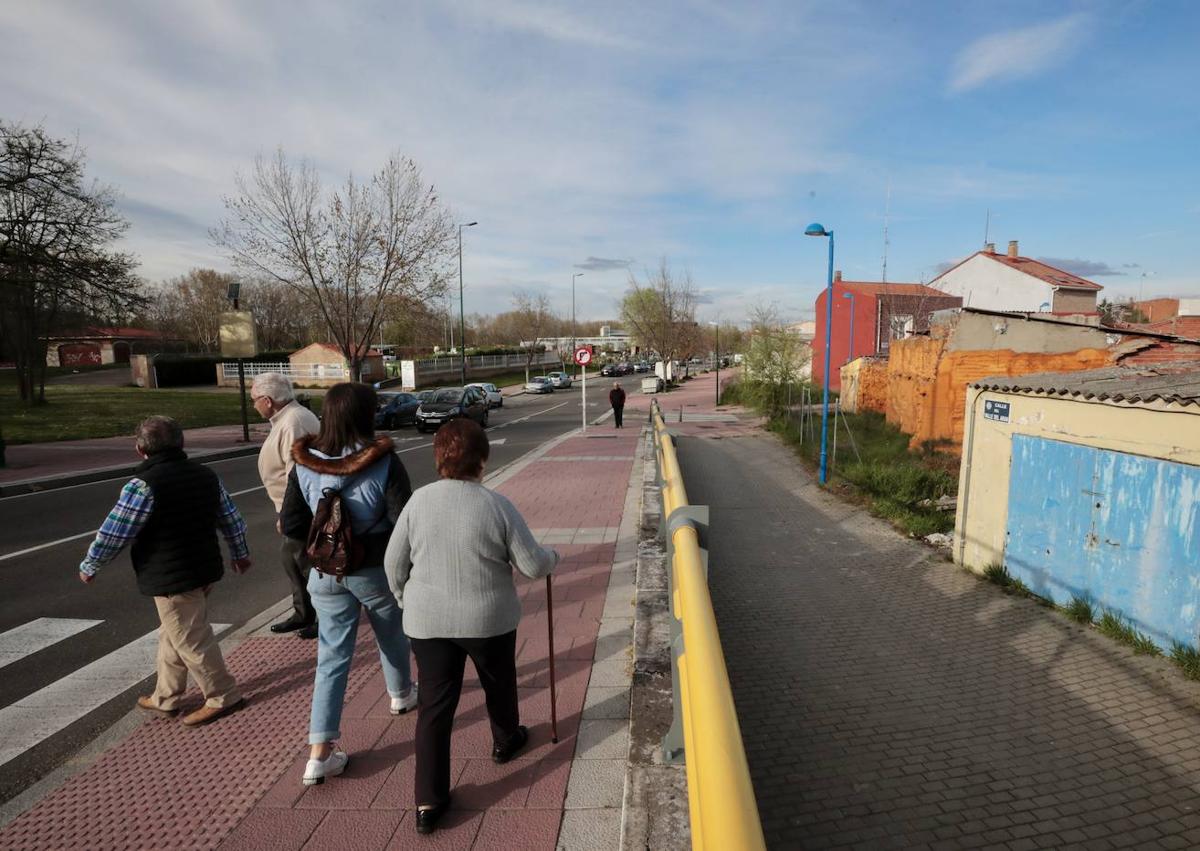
(131, 513)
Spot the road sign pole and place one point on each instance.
(584, 398)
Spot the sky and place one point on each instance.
(604, 137)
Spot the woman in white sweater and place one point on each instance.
(450, 564)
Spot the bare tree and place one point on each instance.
(202, 295)
(55, 259)
(347, 251)
(531, 315)
(660, 312)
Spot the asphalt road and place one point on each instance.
(57, 525)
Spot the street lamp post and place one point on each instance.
(850, 351)
(816, 229)
(717, 356)
(573, 277)
(462, 316)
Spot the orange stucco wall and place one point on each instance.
(927, 386)
(873, 386)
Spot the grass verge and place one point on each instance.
(76, 412)
(869, 459)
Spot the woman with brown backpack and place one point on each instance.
(343, 497)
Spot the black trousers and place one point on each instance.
(295, 567)
(440, 664)
(618, 411)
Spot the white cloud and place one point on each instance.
(1018, 53)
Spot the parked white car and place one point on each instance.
(495, 398)
(539, 384)
(560, 380)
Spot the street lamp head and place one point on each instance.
(816, 229)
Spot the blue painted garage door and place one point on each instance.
(1118, 529)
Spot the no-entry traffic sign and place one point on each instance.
(583, 355)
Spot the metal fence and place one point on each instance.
(292, 371)
(450, 363)
(705, 732)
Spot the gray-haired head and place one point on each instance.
(158, 434)
(274, 385)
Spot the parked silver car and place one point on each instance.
(560, 380)
(539, 384)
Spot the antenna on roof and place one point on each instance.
(987, 226)
(887, 212)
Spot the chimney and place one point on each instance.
(837, 276)
(989, 248)
(1012, 248)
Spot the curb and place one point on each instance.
(99, 474)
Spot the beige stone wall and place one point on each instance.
(1074, 301)
(1157, 430)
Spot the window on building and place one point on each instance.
(901, 326)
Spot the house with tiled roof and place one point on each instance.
(1012, 283)
(867, 317)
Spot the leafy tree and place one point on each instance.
(774, 359)
(349, 252)
(56, 233)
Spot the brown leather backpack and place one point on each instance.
(332, 548)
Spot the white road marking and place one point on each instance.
(247, 490)
(35, 718)
(29, 638)
(28, 550)
(499, 442)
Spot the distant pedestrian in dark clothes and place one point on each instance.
(616, 398)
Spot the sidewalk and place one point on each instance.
(43, 466)
(236, 784)
(890, 699)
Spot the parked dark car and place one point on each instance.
(448, 403)
(395, 410)
(609, 369)
(626, 368)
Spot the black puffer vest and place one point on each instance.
(177, 549)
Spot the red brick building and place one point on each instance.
(881, 312)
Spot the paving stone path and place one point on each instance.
(889, 699)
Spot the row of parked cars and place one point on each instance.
(428, 409)
(624, 368)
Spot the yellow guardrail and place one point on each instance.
(722, 809)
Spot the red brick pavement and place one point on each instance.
(236, 784)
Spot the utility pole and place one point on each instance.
(573, 277)
(462, 316)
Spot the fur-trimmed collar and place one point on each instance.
(347, 466)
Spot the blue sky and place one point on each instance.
(591, 136)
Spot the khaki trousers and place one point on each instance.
(186, 644)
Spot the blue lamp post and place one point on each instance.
(819, 230)
(850, 351)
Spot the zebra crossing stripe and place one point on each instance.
(35, 718)
(29, 638)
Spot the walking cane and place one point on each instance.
(550, 628)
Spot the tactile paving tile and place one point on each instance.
(167, 786)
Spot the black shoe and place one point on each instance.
(427, 819)
(307, 631)
(290, 625)
(503, 754)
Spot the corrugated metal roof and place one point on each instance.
(1178, 383)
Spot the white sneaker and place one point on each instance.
(317, 770)
(402, 704)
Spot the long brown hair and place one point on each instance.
(347, 418)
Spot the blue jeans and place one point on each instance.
(337, 608)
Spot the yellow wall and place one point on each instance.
(1155, 430)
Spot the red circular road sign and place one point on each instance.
(583, 355)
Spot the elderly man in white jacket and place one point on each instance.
(275, 400)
